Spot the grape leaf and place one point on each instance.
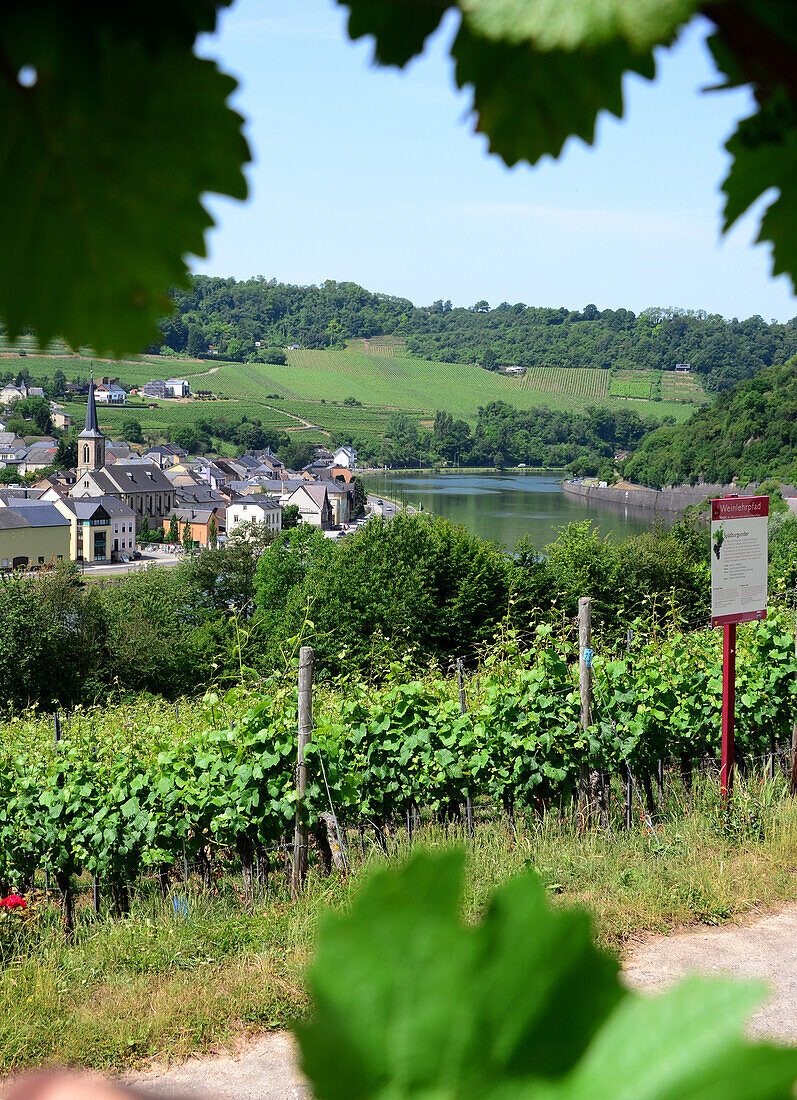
(103, 160)
(512, 91)
(570, 24)
(407, 999)
(410, 1002)
(400, 29)
(764, 151)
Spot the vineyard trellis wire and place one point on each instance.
(118, 807)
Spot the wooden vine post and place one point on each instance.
(299, 871)
(591, 792)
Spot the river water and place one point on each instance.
(506, 506)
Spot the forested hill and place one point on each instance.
(232, 316)
(749, 432)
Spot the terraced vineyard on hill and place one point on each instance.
(633, 383)
(323, 388)
(568, 381)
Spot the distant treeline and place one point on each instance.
(586, 440)
(749, 433)
(233, 317)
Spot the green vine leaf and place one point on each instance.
(400, 30)
(572, 24)
(512, 91)
(764, 151)
(410, 1002)
(106, 145)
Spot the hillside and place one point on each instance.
(749, 433)
(233, 317)
(386, 404)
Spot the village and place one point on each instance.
(120, 499)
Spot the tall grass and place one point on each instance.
(163, 982)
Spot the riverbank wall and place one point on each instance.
(673, 500)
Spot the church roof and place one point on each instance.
(130, 478)
(92, 429)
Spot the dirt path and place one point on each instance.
(302, 422)
(265, 1069)
(764, 948)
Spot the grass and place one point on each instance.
(314, 384)
(159, 985)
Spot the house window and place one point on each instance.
(60, 557)
(41, 560)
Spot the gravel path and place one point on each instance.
(265, 1069)
(763, 948)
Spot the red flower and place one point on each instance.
(13, 901)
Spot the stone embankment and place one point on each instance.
(672, 500)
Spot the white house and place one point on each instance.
(107, 392)
(314, 506)
(178, 387)
(345, 456)
(264, 511)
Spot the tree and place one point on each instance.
(174, 530)
(296, 454)
(213, 533)
(66, 454)
(144, 533)
(489, 359)
(131, 431)
(188, 540)
(186, 438)
(360, 496)
(58, 384)
(196, 343)
(290, 516)
(538, 74)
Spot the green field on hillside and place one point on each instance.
(313, 386)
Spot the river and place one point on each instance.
(505, 506)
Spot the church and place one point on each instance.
(140, 485)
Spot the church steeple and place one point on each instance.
(91, 441)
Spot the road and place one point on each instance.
(121, 568)
(764, 948)
(388, 507)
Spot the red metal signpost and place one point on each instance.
(738, 595)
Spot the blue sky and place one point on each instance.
(375, 176)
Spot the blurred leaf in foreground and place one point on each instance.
(110, 131)
(411, 1002)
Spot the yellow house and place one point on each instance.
(101, 528)
(33, 535)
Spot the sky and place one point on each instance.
(376, 176)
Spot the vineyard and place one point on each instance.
(165, 416)
(314, 386)
(387, 346)
(676, 386)
(135, 793)
(572, 382)
(632, 383)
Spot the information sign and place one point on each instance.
(738, 559)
